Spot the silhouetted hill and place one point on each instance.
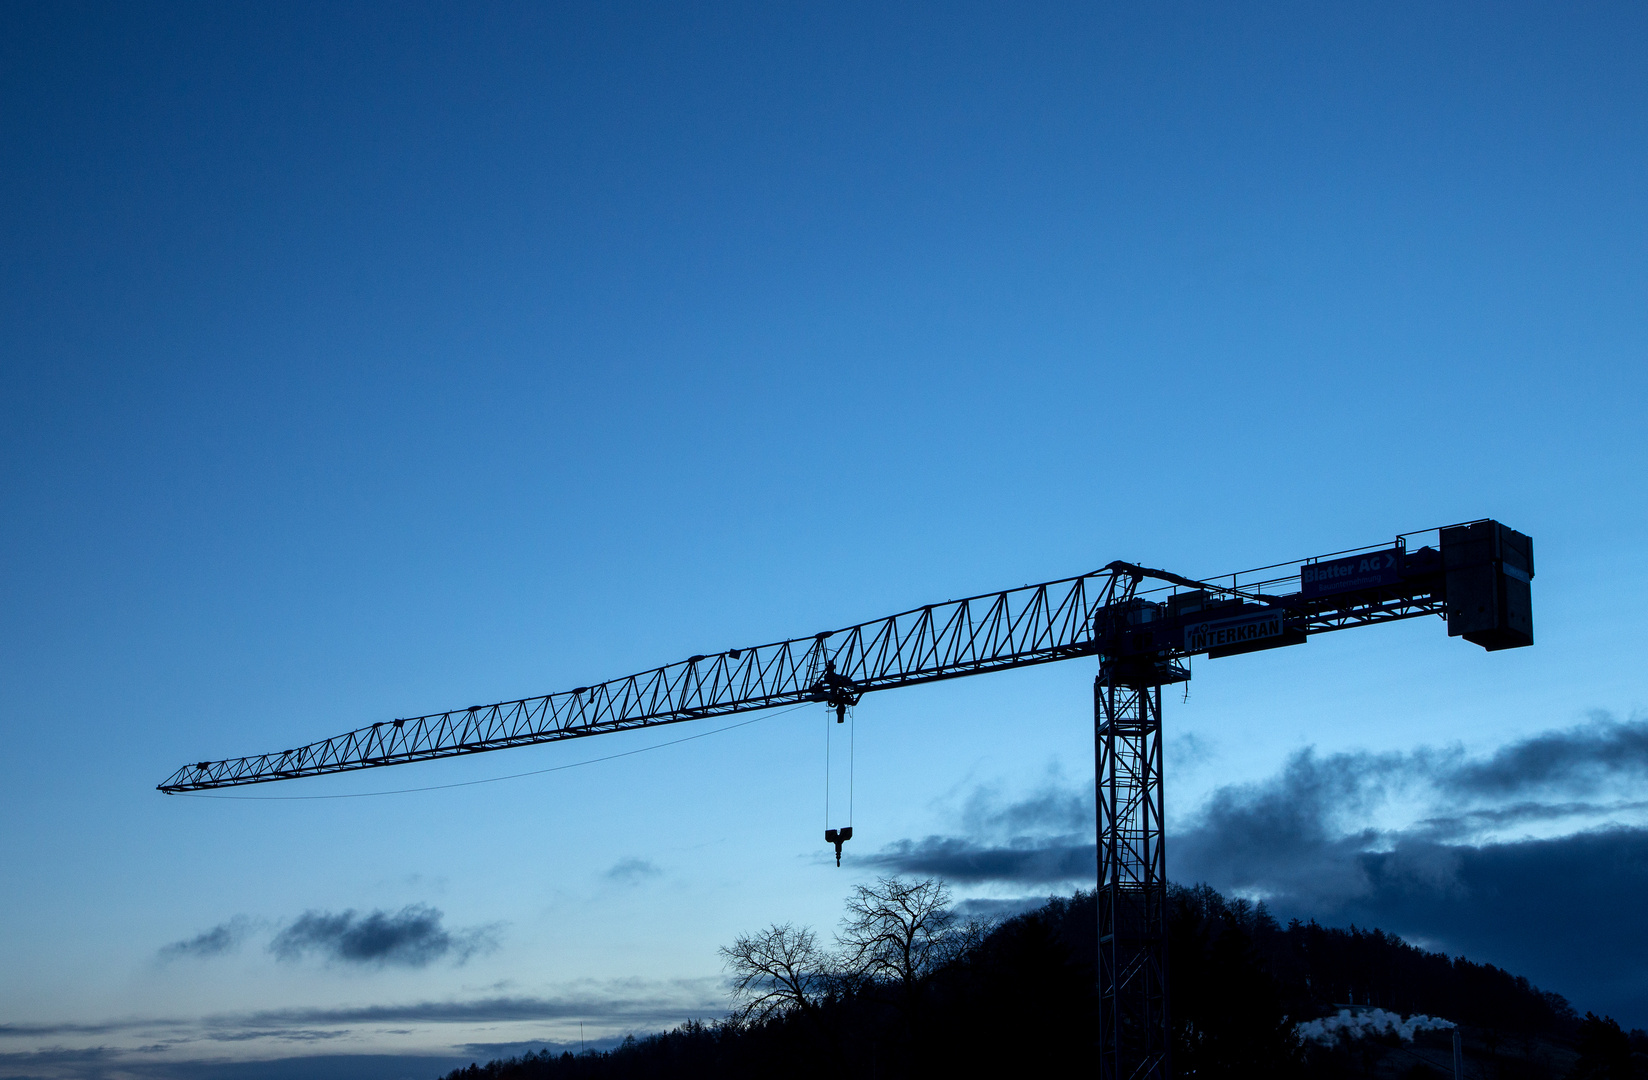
(1022, 1000)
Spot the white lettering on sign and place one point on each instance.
(1368, 571)
(1222, 633)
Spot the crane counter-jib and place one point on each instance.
(1103, 612)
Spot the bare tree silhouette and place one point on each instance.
(775, 971)
(903, 930)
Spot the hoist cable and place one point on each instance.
(852, 751)
(826, 770)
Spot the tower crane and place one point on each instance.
(1143, 625)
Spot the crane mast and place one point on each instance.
(1477, 576)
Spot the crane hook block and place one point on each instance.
(838, 837)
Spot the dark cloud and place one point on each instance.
(629, 1005)
(322, 1067)
(1303, 833)
(37, 1031)
(1579, 758)
(411, 937)
(495, 1051)
(1431, 844)
(54, 1059)
(633, 871)
(622, 1004)
(111, 1065)
(222, 938)
(648, 1004)
(1033, 861)
(991, 910)
(301, 1035)
(1480, 820)
(1054, 809)
(1565, 911)
(1043, 839)
(1289, 833)
(1462, 873)
(1559, 910)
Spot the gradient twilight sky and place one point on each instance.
(360, 361)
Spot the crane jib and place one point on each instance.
(1102, 613)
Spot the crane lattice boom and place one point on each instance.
(1035, 624)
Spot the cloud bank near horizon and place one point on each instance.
(174, 1047)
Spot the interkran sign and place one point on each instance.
(1236, 630)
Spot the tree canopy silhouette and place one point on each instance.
(911, 989)
(776, 971)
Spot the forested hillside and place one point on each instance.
(930, 993)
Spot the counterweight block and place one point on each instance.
(1487, 570)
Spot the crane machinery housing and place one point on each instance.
(1476, 576)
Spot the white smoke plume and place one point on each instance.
(1359, 1023)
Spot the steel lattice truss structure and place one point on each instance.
(1033, 624)
(1036, 624)
(1132, 883)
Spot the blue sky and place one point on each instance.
(359, 362)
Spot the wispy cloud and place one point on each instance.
(103, 1027)
(410, 937)
(112, 1064)
(632, 1002)
(414, 936)
(629, 1001)
(223, 938)
(632, 871)
(143, 1046)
